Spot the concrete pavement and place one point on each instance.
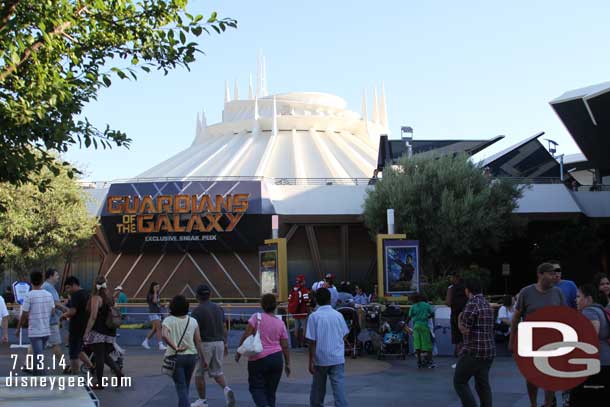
(369, 382)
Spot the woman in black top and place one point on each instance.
(97, 334)
(456, 299)
(154, 309)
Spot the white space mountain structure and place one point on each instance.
(301, 135)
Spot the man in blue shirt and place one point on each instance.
(326, 330)
(567, 287)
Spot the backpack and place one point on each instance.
(113, 318)
(294, 300)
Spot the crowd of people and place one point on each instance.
(199, 342)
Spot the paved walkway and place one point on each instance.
(369, 382)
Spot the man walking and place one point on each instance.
(532, 298)
(211, 320)
(476, 323)
(37, 308)
(3, 321)
(326, 330)
(78, 316)
(55, 342)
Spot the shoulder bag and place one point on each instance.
(169, 362)
(252, 344)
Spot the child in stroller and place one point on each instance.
(352, 345)
(393, 329)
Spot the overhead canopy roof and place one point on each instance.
(586, 114)
(527, 158)
(392, 150)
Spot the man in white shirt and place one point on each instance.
(55, 342)
(37, 309)
(4, 321)
(326, 330)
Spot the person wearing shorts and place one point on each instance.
(211, 320)
(54, 342)
(420, 313)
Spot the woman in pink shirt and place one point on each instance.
(265, 368)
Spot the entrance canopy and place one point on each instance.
(586, 114)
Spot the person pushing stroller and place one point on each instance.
(420, 313)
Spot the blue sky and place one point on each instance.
(467, 69)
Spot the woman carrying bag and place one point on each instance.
(265, 366)
(181, 334)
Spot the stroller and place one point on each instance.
(116, 355)
(392, 327)
(353, 346)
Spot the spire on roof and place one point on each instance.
(235, 91)
(250, 89)
(227, 92)
(383, 114)
(365, 114)
(375, 106)
(274, 122)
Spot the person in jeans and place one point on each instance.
(476, 323)
(37, 308)
(55, 342)
(211, 320)
(326, 330)
(180, 325)
(265, 368)
(595, 391)
(530, 299)
(97, 333)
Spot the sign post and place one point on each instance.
(20, 290)
(281, 267)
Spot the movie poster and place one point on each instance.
(401, 266)
(267, 256)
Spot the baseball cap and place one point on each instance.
(546, 268)
(118, 288)
(329, 276)
(300, 278)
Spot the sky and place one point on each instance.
(467, 69)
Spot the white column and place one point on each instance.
(390, 214)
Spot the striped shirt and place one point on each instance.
(39, 304)
(327, 328)
(478, 318)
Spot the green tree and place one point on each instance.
(446, 203)
(38, 229)
(55, 55)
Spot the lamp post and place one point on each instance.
(406, 134)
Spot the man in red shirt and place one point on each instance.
(298, 306)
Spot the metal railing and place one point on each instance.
(309, 181)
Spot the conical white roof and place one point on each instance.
(314, 136)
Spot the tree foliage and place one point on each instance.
(446, 203)
(55, 55)
(39, 228)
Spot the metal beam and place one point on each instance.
(345, 251)
(313, 247)
(291, 232)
